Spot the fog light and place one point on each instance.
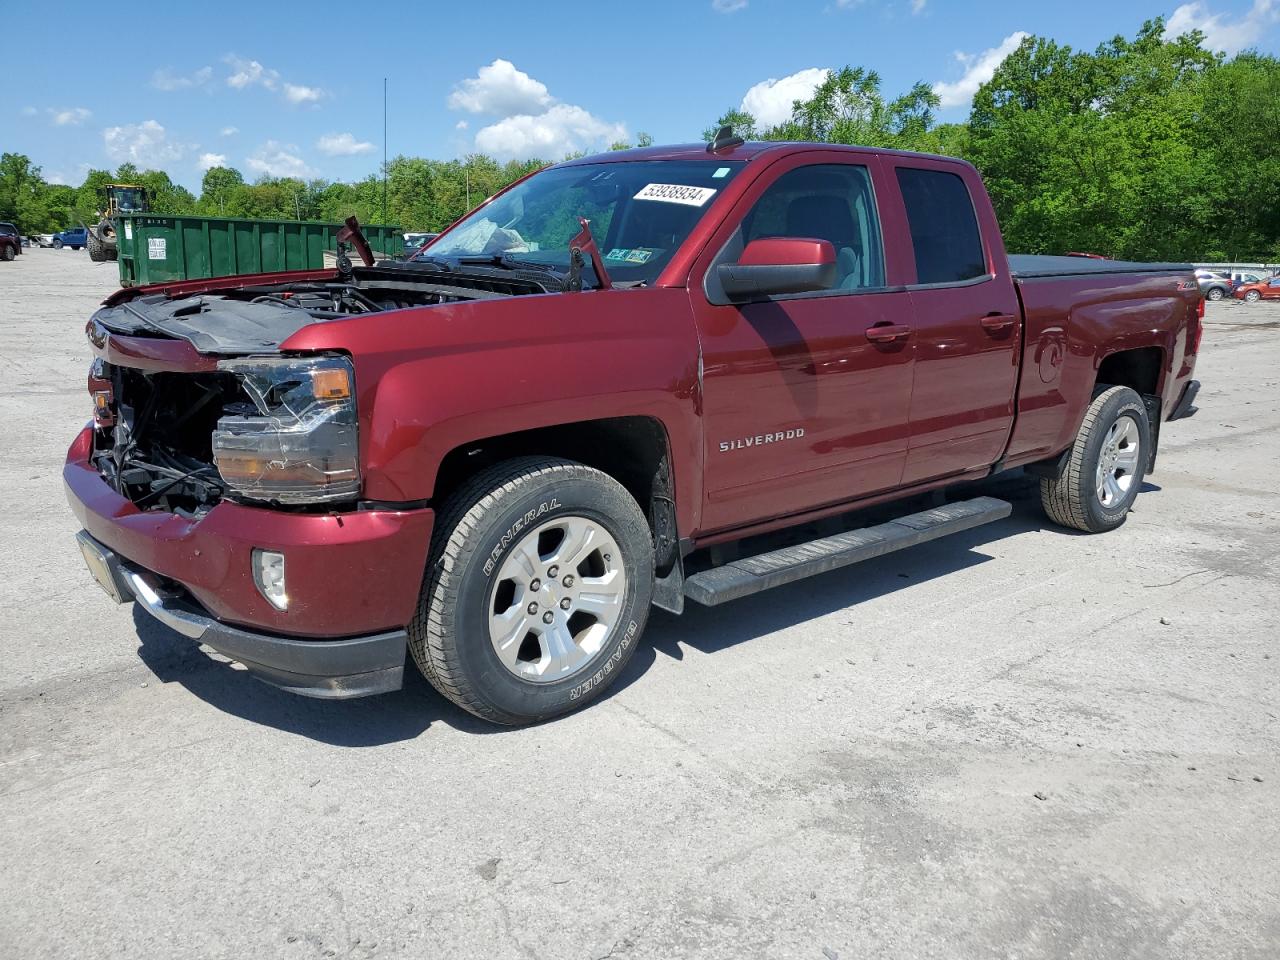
(268, 575)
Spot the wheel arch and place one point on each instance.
(634, 450)
(1142, 369)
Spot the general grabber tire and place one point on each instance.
(536, 591)
(1106, 464)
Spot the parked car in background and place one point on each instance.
(412, 241)
(10, 241)
(75, 238)
(1262, 290)
(1214, 285)
(41, 239)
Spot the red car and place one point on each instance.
(1268, 289)
(498, 455)
(10, 241)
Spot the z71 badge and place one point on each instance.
(760, 439)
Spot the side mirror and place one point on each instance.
(775, 265)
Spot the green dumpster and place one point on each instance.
(155, 248)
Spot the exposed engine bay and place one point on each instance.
(240, 320)
(287, 426)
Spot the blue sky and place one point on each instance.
(296, 89)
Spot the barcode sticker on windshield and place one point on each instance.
(676, 193)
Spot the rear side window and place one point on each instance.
(944, 228)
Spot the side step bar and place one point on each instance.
(753, 574)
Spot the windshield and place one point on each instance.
(640, 212)
(128, 199)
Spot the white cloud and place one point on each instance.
(1224, 32)
(342, 145)
(208, 160)
(278, 160)
(146, 144)
(917, 6)
(769, 101)
(562, 129)
(69, 116)
(727, 6)
(247, 73)
(979, 68)
(250, 73)
(531, 122)
(228, 131)
(166, 79)
(297, 93)
(500, 90)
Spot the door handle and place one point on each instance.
(998, 322)
(888, 332)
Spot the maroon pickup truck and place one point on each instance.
(585, 396)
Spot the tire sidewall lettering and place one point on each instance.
(513, 532)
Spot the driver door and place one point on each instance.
(804, 405)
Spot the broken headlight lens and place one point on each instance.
(296, 441)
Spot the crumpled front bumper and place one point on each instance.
(331, 669)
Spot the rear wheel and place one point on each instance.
(537, 590)
(1106, 464)
(100, 250)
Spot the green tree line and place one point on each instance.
(1145, 148)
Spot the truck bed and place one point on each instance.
(1027, 266)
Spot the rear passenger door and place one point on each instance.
(802, 406)
(967, 322)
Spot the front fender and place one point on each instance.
(432, 379)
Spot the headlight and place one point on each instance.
(299, 443)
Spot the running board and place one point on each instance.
(742, 578)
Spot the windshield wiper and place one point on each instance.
(504, 260)
(581, 247)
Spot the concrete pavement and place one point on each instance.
(1017, 742)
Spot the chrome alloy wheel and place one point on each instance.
(1118, 461)
(556, 600)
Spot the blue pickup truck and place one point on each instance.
(75, 238)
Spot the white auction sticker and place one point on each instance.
(676, 193)
(156, 248)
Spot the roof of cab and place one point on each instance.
(745, 151)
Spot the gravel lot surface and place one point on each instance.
(1017, 742)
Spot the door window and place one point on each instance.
(831, 202)
(944, 228)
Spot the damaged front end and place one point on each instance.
(153, 435)
(195, 401)
(274, 430)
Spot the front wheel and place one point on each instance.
(1252, 296)
(8, 253)
(537, 589)
(1106, 465)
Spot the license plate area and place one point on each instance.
(103, 567)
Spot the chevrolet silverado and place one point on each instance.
(586, 396)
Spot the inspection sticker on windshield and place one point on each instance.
(676, 193)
